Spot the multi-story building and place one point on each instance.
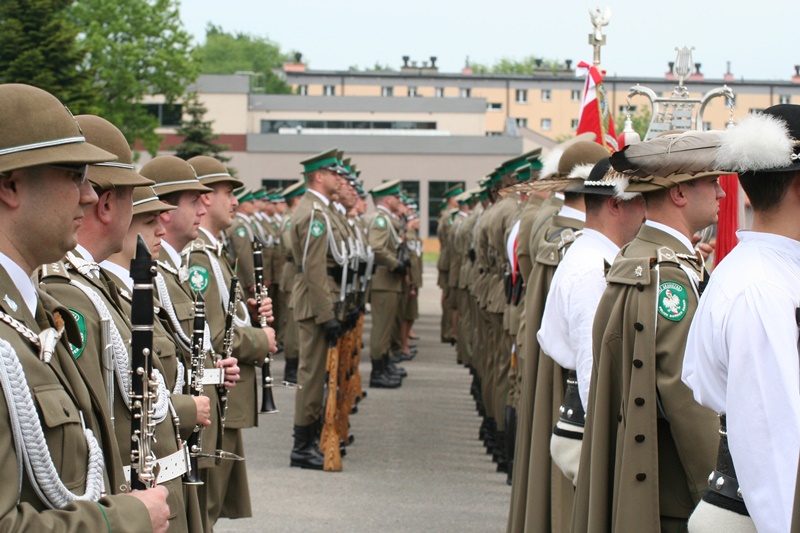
(416, 124)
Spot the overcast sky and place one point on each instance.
(759, 37)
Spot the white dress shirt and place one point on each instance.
(571, 212)
(24, 283)
(576, 289)
(121, 272)
(173, 254)
(320, 196)
(742, 360)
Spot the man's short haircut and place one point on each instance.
(766, 190)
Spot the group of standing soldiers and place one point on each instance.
(341, 259)
(617, 381)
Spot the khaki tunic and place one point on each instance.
(61, 395)
(288, 273)
(55, 280)
(240, 235)
(386, 288)
(637, 468)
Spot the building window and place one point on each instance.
(575, 95)
(547, 124)
(412, 91)
(297, 126)
(494, 133)
(387, 91)
(168, 115)
(464, 92)
(302, 90)
(439, 92)
(785, 99)
(624, 109)
(522, 122)
(276, 184)
(522, 96)
(436, 190)
(574, 124)
(329, 90)
(706, 126)
(411, 189)
(494, 106)
(754, 110)
(546, 95)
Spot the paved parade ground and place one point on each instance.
(416, 463)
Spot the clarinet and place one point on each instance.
(267, 400)
(142, 387)
(194, 383)
(227, 345)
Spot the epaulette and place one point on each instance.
(197, 245)
(630, 270)
(547, 253)
(666, 255)
(57, 269)
(567, 236)
(315, 206)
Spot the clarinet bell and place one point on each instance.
(268, 402)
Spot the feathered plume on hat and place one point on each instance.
(760, 141)
(551, 160)
(687, 153)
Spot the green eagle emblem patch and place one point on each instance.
(241, 232)
(198, 278)
(76, 352)
(380, 222)
(672, 301)
(317, 228)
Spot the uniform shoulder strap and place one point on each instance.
(57, 269)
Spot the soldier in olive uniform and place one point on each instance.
(60, 454)
(449, 205)
(92, 297)
(291, 195)
(315, 298)
(387, 282)
(240, 235)
(648, 446)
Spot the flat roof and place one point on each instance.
(289, 102)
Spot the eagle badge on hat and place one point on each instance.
(317, 228)
(672, 303)
(198, 278)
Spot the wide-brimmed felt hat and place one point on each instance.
(40, 130)
(211, 170)
(145, 200)
(107, 175)
(172, 174)
(574, 166)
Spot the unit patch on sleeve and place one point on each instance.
(76, 352)
(198, 278)
(672, 302)
(317, 228)
(380, 222)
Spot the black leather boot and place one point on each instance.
(290, 371)
(488, 440)
(499, 455)
(380, 378)
(306, 453)
(393, 369)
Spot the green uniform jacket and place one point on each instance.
(55, 280)
(315, 293)
(250, 345)
(385, 241)
(634, 465)
(60, 394)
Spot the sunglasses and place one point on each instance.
(79, 171)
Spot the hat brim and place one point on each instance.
(152, 206)
(110, 177)
(656, 183)
(794, 167)
(165, 189)
(72, 153)
(236, 182)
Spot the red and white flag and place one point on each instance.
(595, 109)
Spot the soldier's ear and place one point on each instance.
(9, 187)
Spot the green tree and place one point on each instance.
(506, 65)
(136, 48)
(228, 53)
(640, 121)
(38, 47)
(198, 134)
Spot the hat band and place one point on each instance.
(316, 165)
(145, 200)
(217, 175)
(116, 165)
(43, 144)
(182, 182)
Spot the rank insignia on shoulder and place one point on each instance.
(81, 322)
(672, 301)
(198, 278)
(317, 228)
(380, 222)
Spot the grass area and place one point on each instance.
(430, 257)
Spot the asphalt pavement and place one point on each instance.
(416, 463)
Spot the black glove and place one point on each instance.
(332, 329)
(400, 269)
